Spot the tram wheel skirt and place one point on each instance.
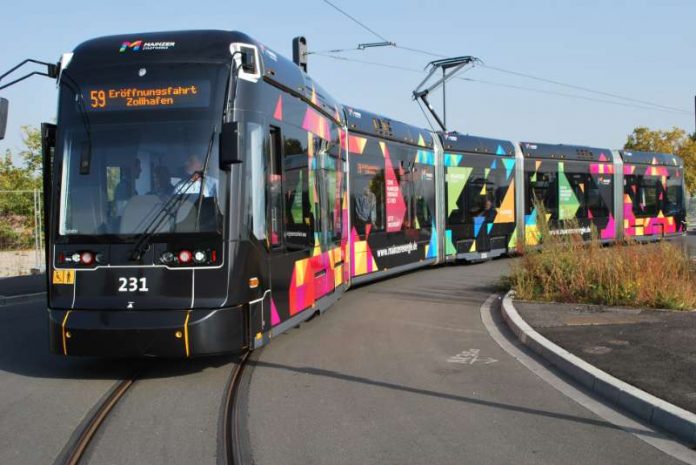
(156, 333)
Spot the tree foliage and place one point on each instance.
(17, 183)
(674, 140)
(31, 154)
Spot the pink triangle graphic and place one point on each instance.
(278, 113)
(275, 318)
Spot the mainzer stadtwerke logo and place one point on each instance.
(138, 45)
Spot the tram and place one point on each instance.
(203, 194)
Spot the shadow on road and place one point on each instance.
(454, 397)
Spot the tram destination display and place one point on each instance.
(150, 96)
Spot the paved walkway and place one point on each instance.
(652, 350)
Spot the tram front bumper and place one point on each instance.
(155, 333)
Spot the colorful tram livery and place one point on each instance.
(392, 196)
(479, 205)
(653, 196)
(204, 194)
(576, 187)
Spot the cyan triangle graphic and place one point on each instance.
(489, 226)
(494, 164)
(500, 150)
(530, 219)
(432, 248)
(478, 222)
(509, 165)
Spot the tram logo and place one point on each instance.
(134, 46)
(139, 45)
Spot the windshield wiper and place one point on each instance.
(171, 206)
(204, 175)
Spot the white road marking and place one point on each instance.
(470, 357)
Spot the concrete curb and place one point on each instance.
(675, 420)
(15, 299)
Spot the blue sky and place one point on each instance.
(640, 49)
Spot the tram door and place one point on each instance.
(325, 195)
(291, 223)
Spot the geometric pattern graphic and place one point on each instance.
(645, 198)
(570, 190)
(480, 202)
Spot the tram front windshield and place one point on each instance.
(136, 140)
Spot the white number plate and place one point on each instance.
(132, 285)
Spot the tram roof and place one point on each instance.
(372, 124)
(651, 158)
(565, 152)
(456, 142)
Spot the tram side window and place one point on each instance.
(593, 198)
(542, 187)
(481, 201)
(256, 171)
(298, 218)
(674, 200)
(367, 186)
(405, 176)
(423, 176)
(327, 182)
(501, 186)
(275, 197)
(646, 196)
(580, 184)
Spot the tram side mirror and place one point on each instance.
(229, 145)
(4, 108)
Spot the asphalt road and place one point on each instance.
(42, 397)
(404, 372)
(169, 416)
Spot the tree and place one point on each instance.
(17, 182)
(32, 149)
(675, 140)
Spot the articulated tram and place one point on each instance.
(204, 194)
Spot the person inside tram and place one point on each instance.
(161, 182)
(488, 212)
(191, 184)
(125, 189)
(365, 209)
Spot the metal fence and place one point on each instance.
(21, 232)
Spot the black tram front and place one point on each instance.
(147, 248)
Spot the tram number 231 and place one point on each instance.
(132, 284)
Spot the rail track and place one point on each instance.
(231, 450)
(77, 446)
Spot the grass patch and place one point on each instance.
(564, 268)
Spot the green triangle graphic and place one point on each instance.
(568, 203)
(456, 180)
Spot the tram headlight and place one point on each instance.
(75, 257)
(87, 258)
(200, 256)
(185, 256)
(167, 257)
